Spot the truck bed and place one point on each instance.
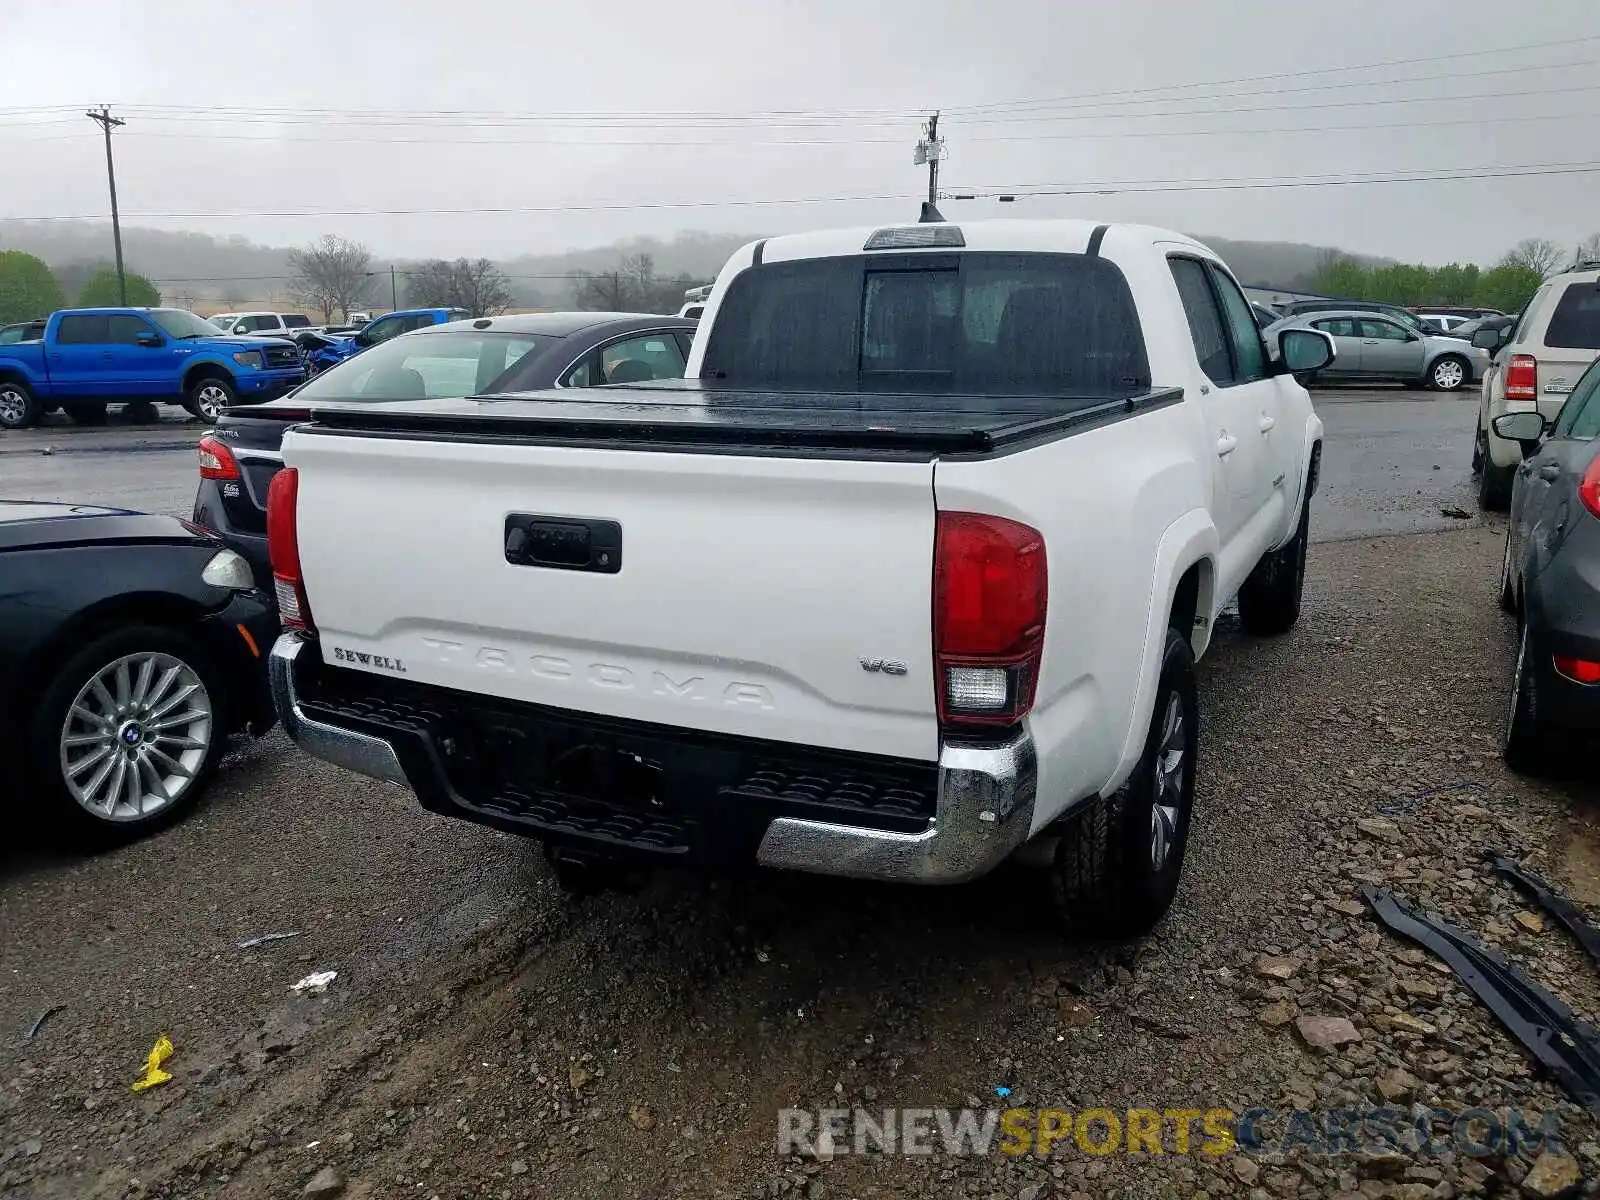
(691, 414)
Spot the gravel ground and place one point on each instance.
(487, 1038)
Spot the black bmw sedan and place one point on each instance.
(1550, 575)
(130, 649)
(481, 357)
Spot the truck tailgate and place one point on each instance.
(786, 598)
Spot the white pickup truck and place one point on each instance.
(912, 569)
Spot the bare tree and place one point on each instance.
(607, 291)
(476, 285)
(331, 274)
(1588, 250)
(633, 287)
(1537, 254)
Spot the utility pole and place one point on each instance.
(930, 150)
(394, 290)
(105, 120)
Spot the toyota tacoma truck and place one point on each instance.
(89, 356)
(909, 573)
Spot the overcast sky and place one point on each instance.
(791, 100)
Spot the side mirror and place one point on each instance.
(1488, 339)
(149, 338)
(1304, 350)
(1524, 428)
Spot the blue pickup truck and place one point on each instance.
(334, 350)
(91, 356)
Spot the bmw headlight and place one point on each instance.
(249, 358)
(229, 570)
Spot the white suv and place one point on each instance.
(1553, 342)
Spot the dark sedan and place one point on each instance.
(130, 648)
(1551, 575)
(486, 356)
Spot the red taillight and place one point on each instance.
(989, 591)
(216, 460)
(1522, 377)
(283, 547)
(1579, 670)
(1589, 488)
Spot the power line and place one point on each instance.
(1423, 175)
(1303, 74)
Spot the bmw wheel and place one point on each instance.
(127, 734)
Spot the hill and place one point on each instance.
(210, 273)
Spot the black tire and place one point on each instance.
(1494, 486)
(1508, 583)
(91, 413)
(1105, 879)
(71, 820)
(1269, 601)
(18, 408)
(1454, 380)
(209, 396)
(1478, 452)
(1528, 742)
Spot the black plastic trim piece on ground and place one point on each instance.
(1566, 1046)
(1552, 901)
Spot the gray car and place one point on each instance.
(1371, 346)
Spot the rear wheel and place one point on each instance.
(126, 734)
(1117, 864)
(18, 408)
(1527, 744)
(209, 397)
(1269, 601)
(1494, 485)
(1508, 583)
(1449, 373)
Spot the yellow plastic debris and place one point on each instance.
(153, 1074)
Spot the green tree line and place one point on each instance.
(29, 290)
(1507, 286)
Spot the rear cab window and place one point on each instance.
(972, 323)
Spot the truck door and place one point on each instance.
(76, 359)
(1238, 399)
(136, 368)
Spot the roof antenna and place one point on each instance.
(930, 213)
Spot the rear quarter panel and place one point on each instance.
(1123, 512)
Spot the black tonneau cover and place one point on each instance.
(692, 415)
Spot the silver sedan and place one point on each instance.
(1370, 346)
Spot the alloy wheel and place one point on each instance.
(1448, 375)
(13, 408)
(211, 400)
(136, 737)
(1169, 779)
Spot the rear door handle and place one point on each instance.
(1369, 341)
(1226, 444)
(1266, 423)
(1549, 471)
